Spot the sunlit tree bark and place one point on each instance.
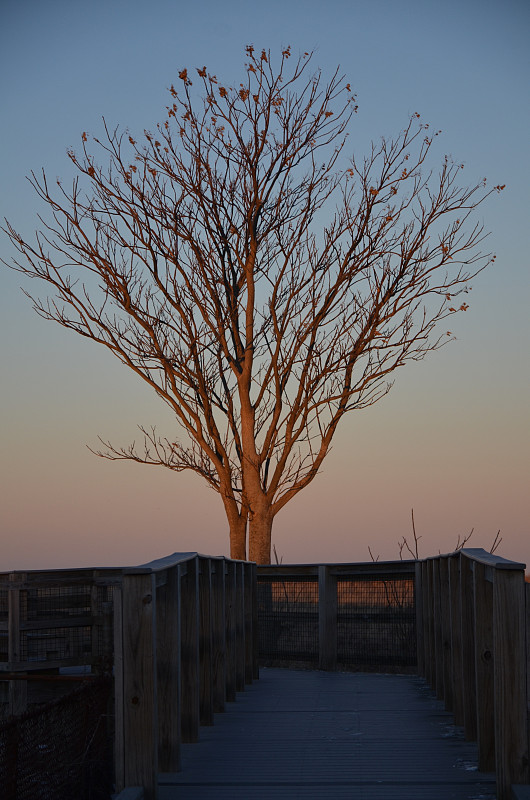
(261, 279)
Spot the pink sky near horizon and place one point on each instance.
(451, 440)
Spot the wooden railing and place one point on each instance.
(184, 643)
(179, 635)
(473, 648)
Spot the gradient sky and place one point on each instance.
(451, 440)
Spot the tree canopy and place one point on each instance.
(259, 276)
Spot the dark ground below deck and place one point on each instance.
(296, 734)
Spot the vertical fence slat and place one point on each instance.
(240, 626)
(248, 579)
(420, 634)
(119, 697)
(168, 675)
(255, 637)
(189, 647)
(467, 616)
(509, 634)
(139, 683)
(429, 615)
(456, 639)
(205, 642)
(18, 690)
(219, 636)
(437, 630)
(445, 610)
(327, 619)
(483, 590)
(230, 602)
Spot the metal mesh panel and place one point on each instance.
(53, 644)
(288, 619)
(376, 622)
(58, 602)
(60, 751)
(4, 608)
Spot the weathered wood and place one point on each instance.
(248, 589)
(119, 696)
(313, 734)
(140, 709)
(483, 590)
(327, 619)
(205, 642)
(239, 611)
(437, 628)
(456, 639)
(230, 627)
(420, 634)
(168, 671)
(509, 634)
(189, 648)
(18, 690)
(445, 612)
(492, 559)
(467, 617)
(428, 612)
(218, 635)
(255, 639)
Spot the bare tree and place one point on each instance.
(261, 282)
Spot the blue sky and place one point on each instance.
(451, 439)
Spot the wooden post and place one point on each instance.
(168, 674)
(205, 642)
(218, 635)
(483, 588)
(255, 629)
(445, 613)
(239, 609)
(248, 590)
(420, 635)
(327, 619)
(467, 616)
(428, 613)
(119, 697)
(437, 627)
(230, 627)
(509, 635)
(140, 712)
(456, 639)
(189, 648)
(18, 690)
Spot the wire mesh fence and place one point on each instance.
(288, 619)
(376, 623)
(62, 750)
(374, 616)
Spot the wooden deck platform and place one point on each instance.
(296, 734)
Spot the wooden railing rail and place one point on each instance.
(184, 631)
(473, 648)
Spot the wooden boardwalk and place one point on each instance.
(296, 734)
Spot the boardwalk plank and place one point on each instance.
(296, 734)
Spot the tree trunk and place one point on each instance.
(259, 538)
(238, 538)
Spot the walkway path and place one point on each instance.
(306, 735)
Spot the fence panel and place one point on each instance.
(352, 617)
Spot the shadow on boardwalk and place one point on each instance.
(297, 734)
